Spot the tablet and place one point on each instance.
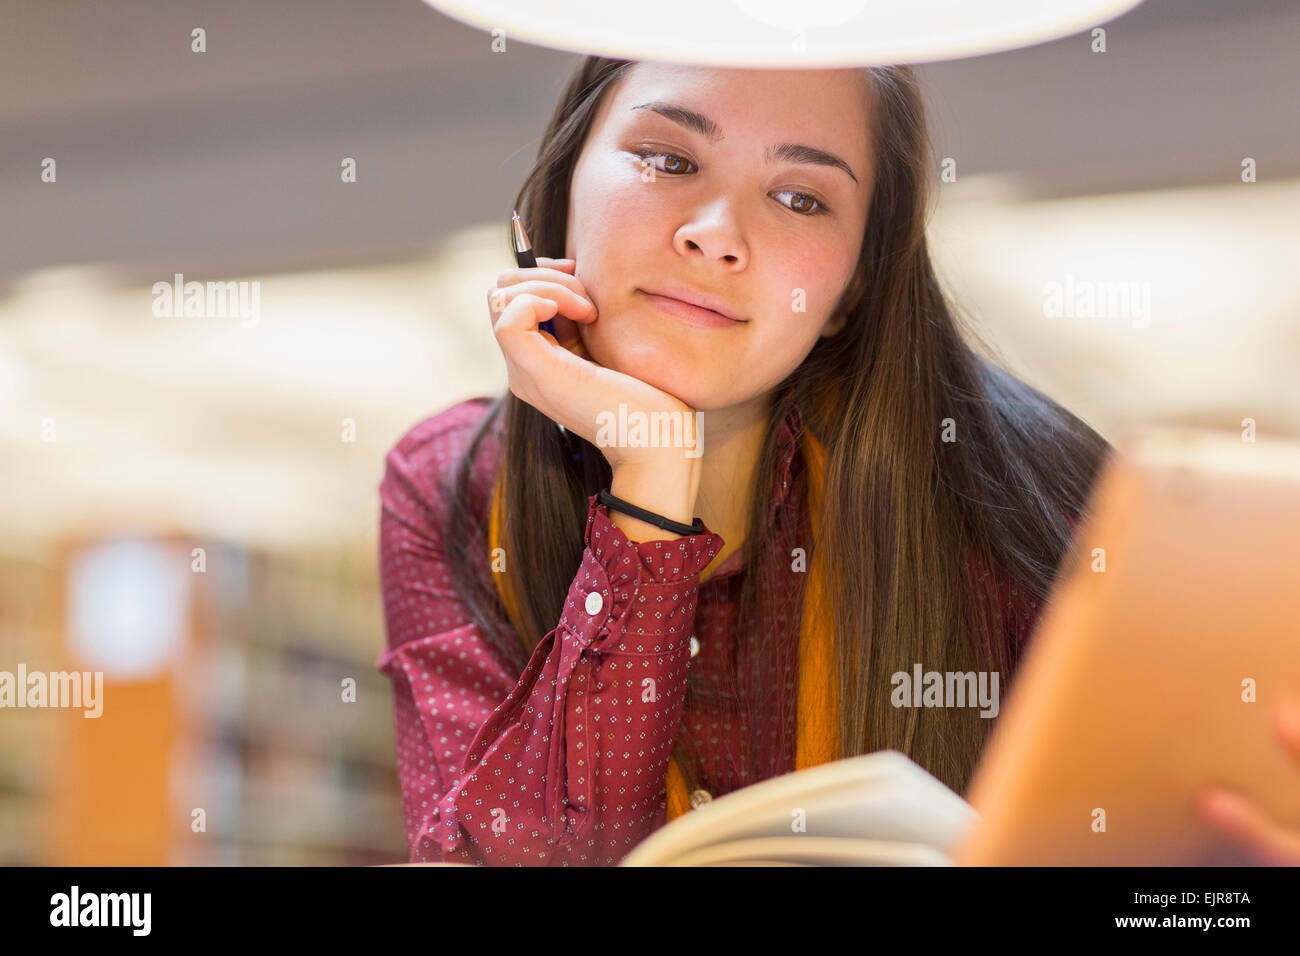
(1170, 634)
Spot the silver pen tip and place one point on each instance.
(518, 235)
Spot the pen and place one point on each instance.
(525, 259)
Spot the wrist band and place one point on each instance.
(658, 520)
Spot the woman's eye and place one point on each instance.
(804, 204)
(672, 157)
(809, 206)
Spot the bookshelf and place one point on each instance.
(291, 772)
(285, 770)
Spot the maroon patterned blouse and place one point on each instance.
(565, 764)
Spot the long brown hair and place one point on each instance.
(906, 513)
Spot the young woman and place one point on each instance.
(875, 495)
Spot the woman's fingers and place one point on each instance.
(570, 304)
(1287, 724)
(533, 354)
(566, 330)
(564, 383)
(1242, 820)
(557, 381)
(559, 271)
(1250, 827)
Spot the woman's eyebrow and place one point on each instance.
(788, 152)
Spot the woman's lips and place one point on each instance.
(691, 314)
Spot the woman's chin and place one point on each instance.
(660, 368)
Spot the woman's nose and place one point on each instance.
(715, 236)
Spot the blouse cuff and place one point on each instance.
(638, 594)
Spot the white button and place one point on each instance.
(699, 798)
(594, 603)
(695, 646)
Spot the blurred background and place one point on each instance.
(189, 503)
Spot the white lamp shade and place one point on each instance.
(784, 34)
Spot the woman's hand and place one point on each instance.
(1241, 821)
(556, 375)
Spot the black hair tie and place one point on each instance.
(658, 520)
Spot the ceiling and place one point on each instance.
(226, 162)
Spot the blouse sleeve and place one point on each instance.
(564, 764)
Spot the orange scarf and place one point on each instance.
(817, 739)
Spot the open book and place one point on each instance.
(879, 809)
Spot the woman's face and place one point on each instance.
(657, 205)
